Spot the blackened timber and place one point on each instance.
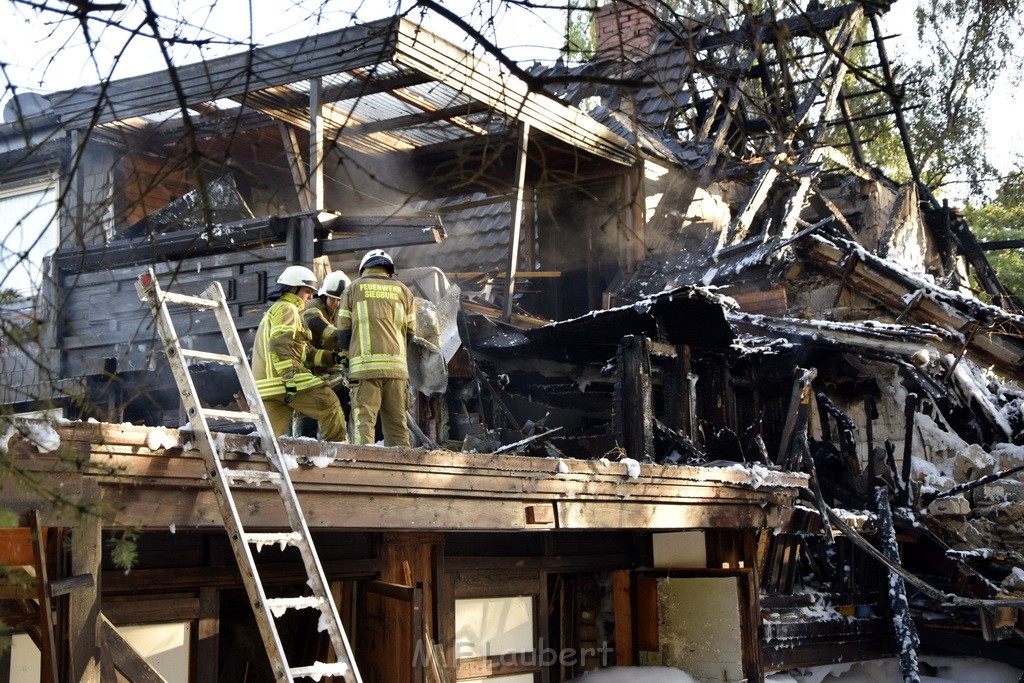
(634, 398)
(251, 233)
(896, 100)
(1001, 244)
(813, 152)
(903, 624)
(811, 24)
(771, 168)
(851, 131)
(880, 281)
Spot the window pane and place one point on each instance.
(28, 228)
(485, 627)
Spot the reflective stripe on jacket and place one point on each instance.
(379, 311)
(280, 349)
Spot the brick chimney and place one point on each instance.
(625, 28)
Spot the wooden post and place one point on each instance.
(903, 624)
(207, 635)
(47, 648)
(316, 145)
(635, 399)
(514, 229)
(909, 410)
(86, 553)
(623, 606)
(869, 413)
(299, 177)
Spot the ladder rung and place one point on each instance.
(282, 540)
(222, 358)
(278, 606)
(320, 669)
(254, 477)
(233, 415)
(187, 300)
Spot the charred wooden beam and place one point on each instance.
(909, 411)
(846, 428)
(970, 485)
(903, 624)
(249, 234)
(804, 25)
(634, 398)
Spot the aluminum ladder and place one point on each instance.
(222, 478)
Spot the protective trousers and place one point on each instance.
(388, 396)
(319, 403)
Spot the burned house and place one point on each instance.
(696, 350)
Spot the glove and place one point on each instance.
(341, 359)
(289, 390)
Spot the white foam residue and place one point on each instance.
(172, 529)
(319, 670)
(42, 435)
(321, 461)
(632, 467)
(605, 461)
(289, 461)
(562, 467)
(5, 438)
(158, 438)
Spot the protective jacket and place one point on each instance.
(318, 319)
(380, 313)
(281, 350)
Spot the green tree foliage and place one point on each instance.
(965, 46)
(579, 31)
(1003, 219)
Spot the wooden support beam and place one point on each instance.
(125, 658)
(316, 145)
(813, 151)
(295, 164)
(71, 583)
(903, 624)
(48, 648)
(909, 411)
(86, 553)
(896, 100)
(635, 398)
(833, 65)
(207, 635)
(623, 607)
(416, 118)
(512, 264)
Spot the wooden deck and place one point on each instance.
(153, 479)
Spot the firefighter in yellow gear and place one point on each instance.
(377, 320)
(282, 358)
(319, 316)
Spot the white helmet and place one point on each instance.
(377, 257)
(334, 284)
(297, 276)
